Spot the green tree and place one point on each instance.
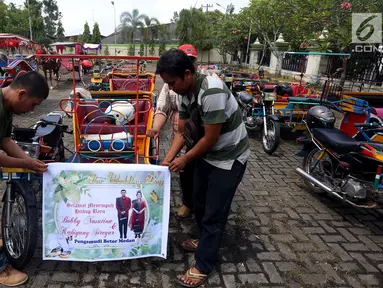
(39, 31)
(142, 49)
(147, 31)
(16, 20)
(96, 35)
(60, 33)
(134, 20)
(86, 38)
(162, 49)
(175, 18)
(106, 50)
(131, 50)
(183, 26)
(231, 35)
(3, 20)
(152, 49)
(51, 11)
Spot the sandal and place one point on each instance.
(183, 212)
(194, 276)
(190, 245)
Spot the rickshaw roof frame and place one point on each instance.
(86, 57)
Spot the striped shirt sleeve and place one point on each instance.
(213, 104)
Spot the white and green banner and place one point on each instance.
(103, 212)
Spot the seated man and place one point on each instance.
(24, 93)
(221, 154)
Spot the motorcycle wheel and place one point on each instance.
(307, 163)
(271, 142)
(20, 237)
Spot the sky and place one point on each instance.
(76, 12)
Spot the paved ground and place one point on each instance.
(278, 235)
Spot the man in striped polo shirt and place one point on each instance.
(221, 155)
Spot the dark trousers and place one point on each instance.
(214, 189)
(187, 183)
(123, 227)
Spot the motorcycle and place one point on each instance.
(258, 114)
(338, 164)
(19, 218)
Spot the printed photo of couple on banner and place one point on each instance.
(114, 212)
(137, 216)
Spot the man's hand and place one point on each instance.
(177, 164)
(36, 165)
(165, 163)
(153, 133)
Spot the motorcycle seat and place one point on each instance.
(336, 140)
(245, 97)
(53, 118)
(49, 129)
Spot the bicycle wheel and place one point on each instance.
(20, 229)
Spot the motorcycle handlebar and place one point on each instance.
(368, 125)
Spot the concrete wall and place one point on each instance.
(215, 56)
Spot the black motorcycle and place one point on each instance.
(20, 218)
(258, 114)
(337, 164)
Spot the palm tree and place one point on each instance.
(133, 20)
(147, 31)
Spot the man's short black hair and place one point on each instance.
(175, 62)
(138, 192)
(123, 190)
(34, 83)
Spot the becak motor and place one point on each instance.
(122, 111)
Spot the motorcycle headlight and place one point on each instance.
(31, 149)
(270, 96)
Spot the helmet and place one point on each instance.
(122, 111)
(320, 117)
(189, 50)
(284, 88)
(86, 64)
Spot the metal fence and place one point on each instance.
(333, 63)
(294, 62)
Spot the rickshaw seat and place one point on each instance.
(130, 84)
(99, 119)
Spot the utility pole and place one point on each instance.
(115, 29)
(30, 22)
(207, 7)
